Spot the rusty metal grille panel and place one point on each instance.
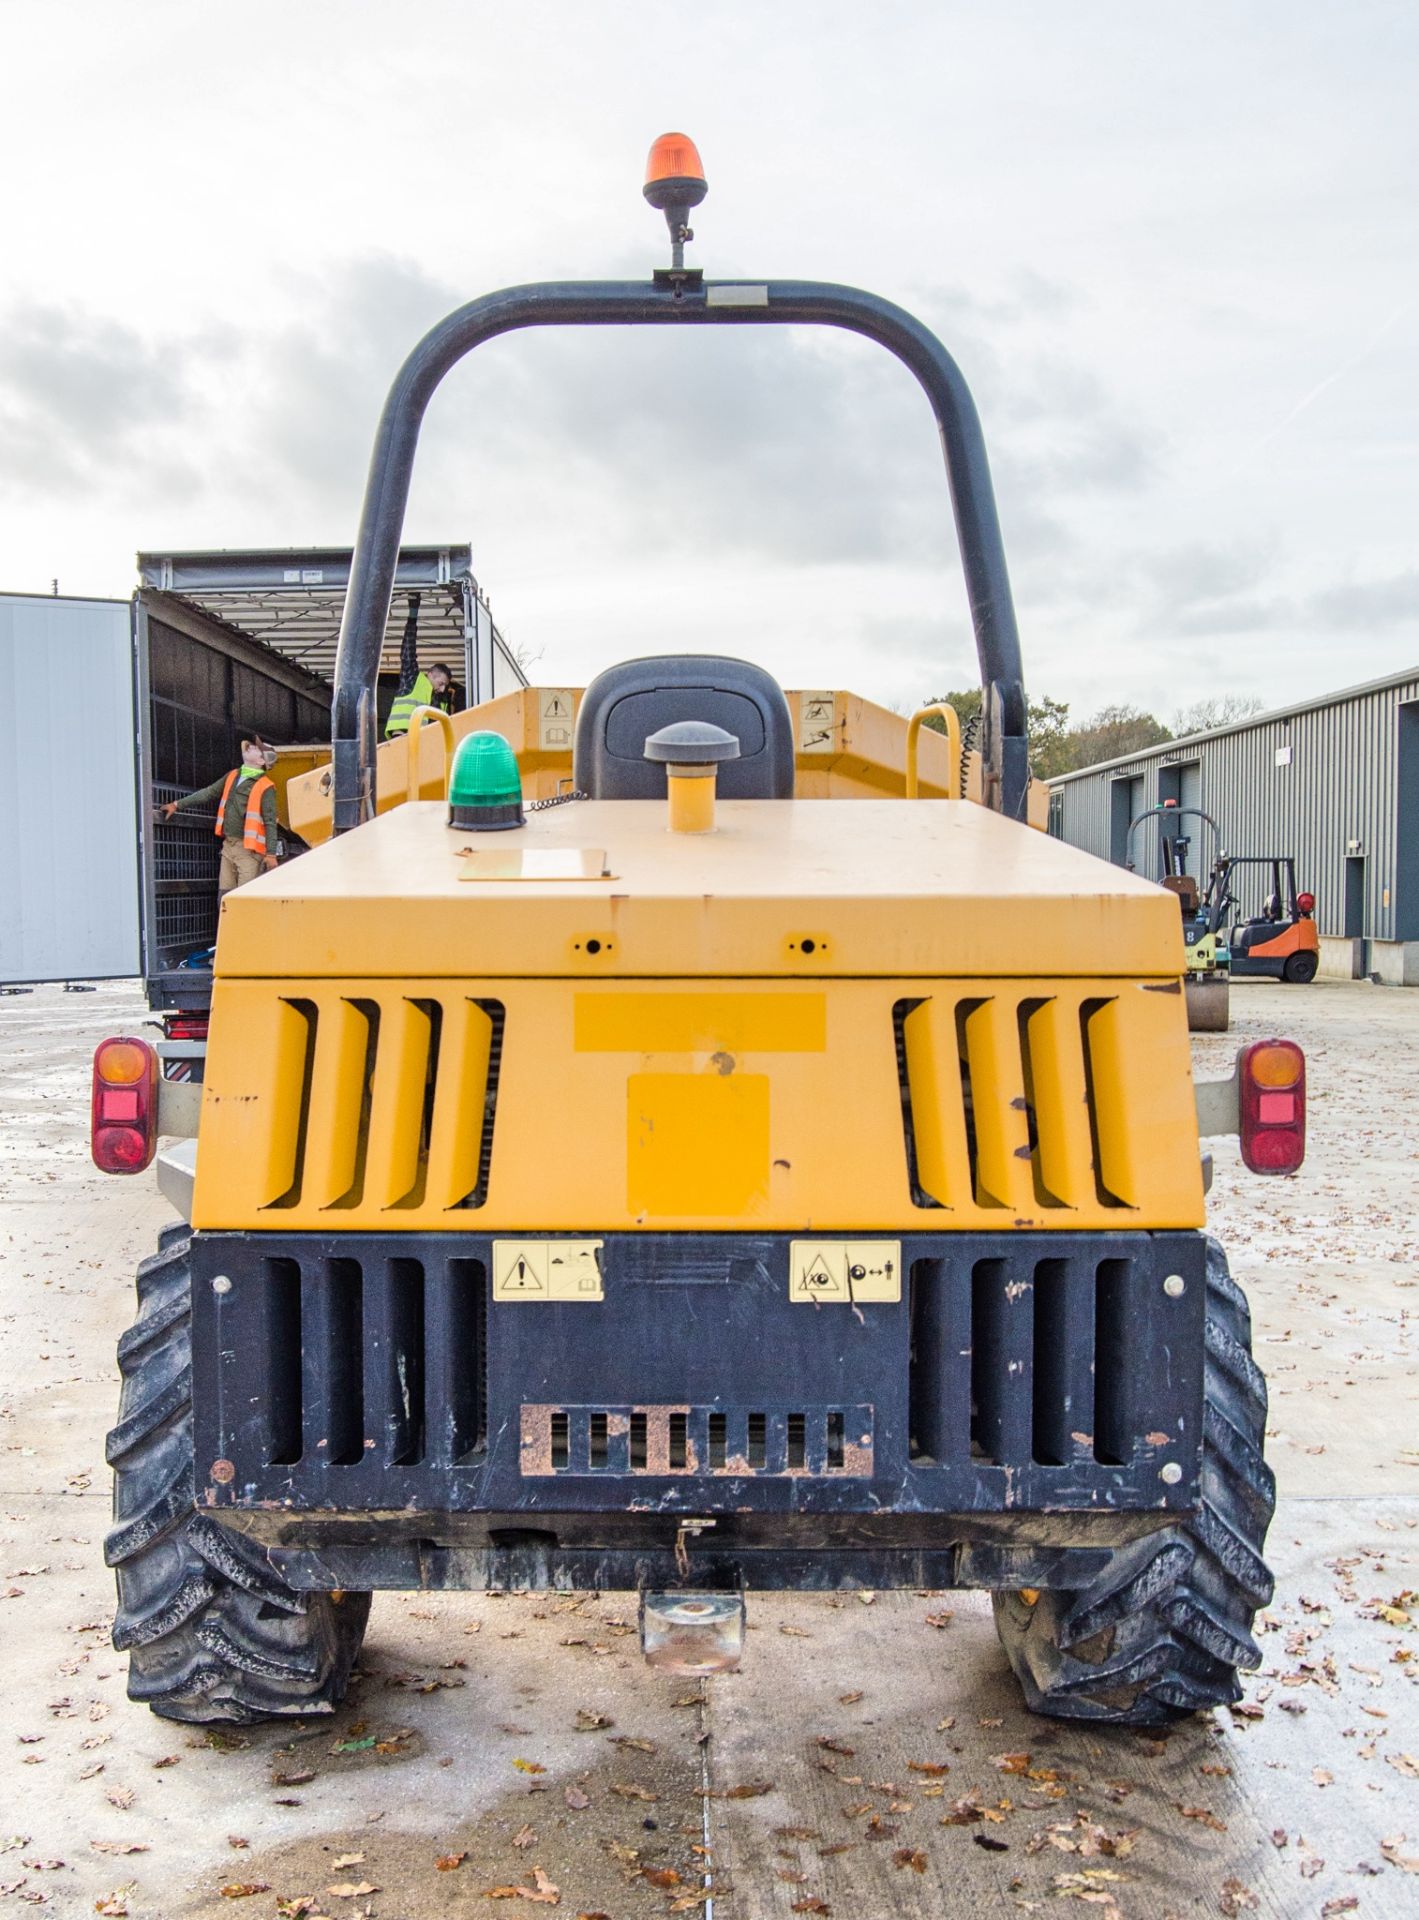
(720, 1441)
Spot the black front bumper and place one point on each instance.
(364, 1406)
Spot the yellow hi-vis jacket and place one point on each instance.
(421, 694)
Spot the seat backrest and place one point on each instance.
(625, 705)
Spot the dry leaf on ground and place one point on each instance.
(1207, 1819)
(1236, 1897)
(542, 1890)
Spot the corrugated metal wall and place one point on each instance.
(1323, 784)
(68, 849)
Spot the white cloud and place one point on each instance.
(1175, 254)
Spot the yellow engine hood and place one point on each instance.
(792, 888)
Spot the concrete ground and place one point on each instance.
(871, 1757)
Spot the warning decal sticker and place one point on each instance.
(845, 1272)
(536, 1270)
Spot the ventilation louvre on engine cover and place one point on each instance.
(1026, 1105)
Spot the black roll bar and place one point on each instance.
(679, 302)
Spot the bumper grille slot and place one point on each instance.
(383, 1360)
(1042, 1361)
(280, 1352)
(696, 1440)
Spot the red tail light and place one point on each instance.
(124, 1114)
(186, 1026)
(1271, 1078)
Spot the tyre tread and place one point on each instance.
(1165, 1629)
(212, 1632)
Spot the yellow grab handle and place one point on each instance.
(411, 778)
(953, 748)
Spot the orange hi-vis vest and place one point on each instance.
(254, 827)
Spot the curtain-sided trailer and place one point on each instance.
(153, 697)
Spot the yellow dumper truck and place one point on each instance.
(665, 1136)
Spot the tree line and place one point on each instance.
(1057, 747)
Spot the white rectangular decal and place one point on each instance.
(533, 1270)
(817, 714)
(845, 1272)
(556, 716)
(731, 296)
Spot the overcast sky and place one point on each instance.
(1175, 249)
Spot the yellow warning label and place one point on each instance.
(816, 715)
(556, 718)
(844, 1272)
(547, 1270)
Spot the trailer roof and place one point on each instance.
(291, 599)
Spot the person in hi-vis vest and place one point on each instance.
(416, 688)
(246, 815)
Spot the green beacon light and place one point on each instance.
(485, 787)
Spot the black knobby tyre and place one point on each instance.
(1300, 968)
(211, 1631)
(1165, 1629)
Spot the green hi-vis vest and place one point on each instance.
(421, 694)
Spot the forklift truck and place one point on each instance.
(1280, 942)
(681, 1184)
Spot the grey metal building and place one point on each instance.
(1333, 782)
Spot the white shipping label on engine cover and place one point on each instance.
(533, 1270)
(845, 1272)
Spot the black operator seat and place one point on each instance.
(625, 705)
